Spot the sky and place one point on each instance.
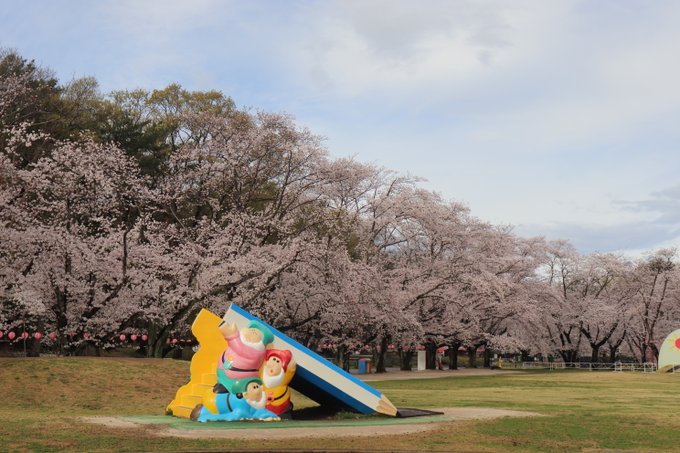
(558, 117)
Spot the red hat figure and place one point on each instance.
(277, 371)
(284, 356)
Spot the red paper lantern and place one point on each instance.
(24, 335)
(37, 336)
(53, 335)
(122, 337)
(133, 337)
(145, 337)
(1, 334)
(11, 335)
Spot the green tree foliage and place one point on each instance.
(151, 125)
(36, 105)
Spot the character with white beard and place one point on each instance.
(277, 372)
(248, 404)
(244, 354)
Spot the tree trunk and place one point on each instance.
(430, 356)
(343, 358)
(487, 357)
(157, 342)
(453, 356)
(472, 356)
(159, 347)
(382, 352)
(655, 352)
(595, 355)
(569, 356)
(405, 357)
(62, 322)
(614, 347)
(61, 341)
(33, 348)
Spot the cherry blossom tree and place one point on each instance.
(587, 302)
(68, 221)
(131, 212)
(230, 205)
(560, 304)
(603, 296)
(652, 309)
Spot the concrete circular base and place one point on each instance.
(362, 427)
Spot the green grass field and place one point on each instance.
(584, 411)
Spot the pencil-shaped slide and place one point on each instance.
(319, 379)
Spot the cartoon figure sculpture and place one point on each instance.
(277, 372)
(243, 356)
(247, 370)
(246, 403)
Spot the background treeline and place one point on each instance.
(127, 212)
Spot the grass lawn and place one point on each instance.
(584, 411)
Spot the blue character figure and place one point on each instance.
(247, 403)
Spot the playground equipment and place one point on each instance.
(211, 389)
(669, 353)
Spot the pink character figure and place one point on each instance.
(243, 356)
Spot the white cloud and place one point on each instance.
(408, 49)
(534, 113)
(159, 21)
(630, 238)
